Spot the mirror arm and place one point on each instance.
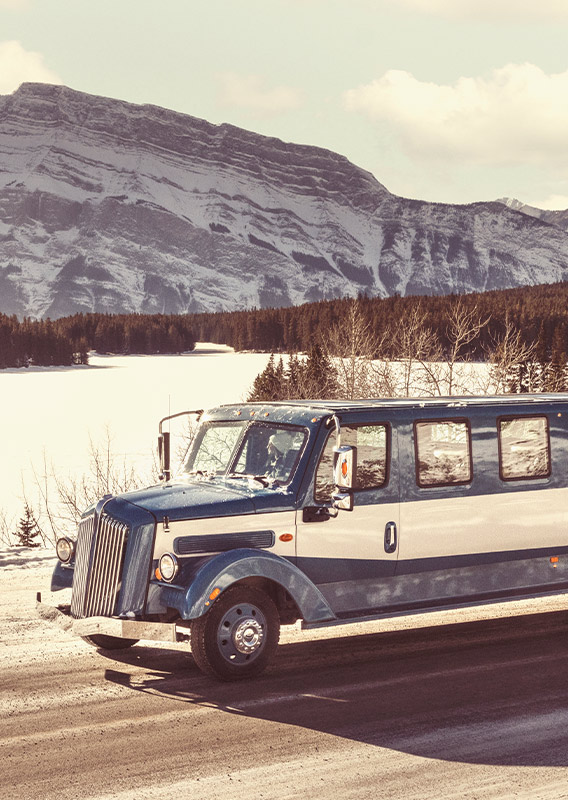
(164, 443)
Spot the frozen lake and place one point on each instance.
(56, 412)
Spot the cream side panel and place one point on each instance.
(279, 522)
(357, 534)
(488, 523)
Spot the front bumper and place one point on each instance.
(109, 626)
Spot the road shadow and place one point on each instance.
(487, 692)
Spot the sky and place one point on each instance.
(443, 100)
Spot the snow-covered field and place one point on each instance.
(51, 414)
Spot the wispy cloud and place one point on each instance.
(515, 115)
(490, 10)
(554, 202)
(18, 65)
(250, 91)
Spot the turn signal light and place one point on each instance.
(286, 537)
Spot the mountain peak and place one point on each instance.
(111, 206)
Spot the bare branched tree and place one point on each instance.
(426, 367)
(464, 327)
(353, 345)
(415, 348)
(513, 367)
(61, 499)
(6, 526)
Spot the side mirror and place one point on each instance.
(164, 455)
(344, 472)
(164, 443)
(342, 501)
(344, 466)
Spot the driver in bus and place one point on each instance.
(279, 448)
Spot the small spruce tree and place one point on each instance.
(27, 530)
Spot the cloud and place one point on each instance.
(554, 202)
(515, 115)
(248, 91)
(490, 10)
(18, 65)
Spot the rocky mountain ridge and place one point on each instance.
(109, 206)
(559, 218)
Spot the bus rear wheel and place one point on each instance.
(238, 637)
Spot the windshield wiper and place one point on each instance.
(263, 479)
(201, 473)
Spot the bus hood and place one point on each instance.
(197, 500)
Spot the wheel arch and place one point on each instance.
(290, 589)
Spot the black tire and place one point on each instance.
(104, 642)
(238, 636)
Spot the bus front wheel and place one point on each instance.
(238, 636)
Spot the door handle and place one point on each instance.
(390, 537)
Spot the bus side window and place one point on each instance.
(443, 452)
(524, 448)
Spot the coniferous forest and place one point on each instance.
(539, 313)
(68, 340)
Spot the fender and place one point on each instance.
(235, 565)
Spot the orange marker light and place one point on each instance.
(286, 537)
(215, 593)
(554, 560)
(158, 574)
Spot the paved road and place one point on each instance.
(472, 710)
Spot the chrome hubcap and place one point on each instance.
(248, 636)
(240, 635)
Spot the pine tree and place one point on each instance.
(270, 383)
(320, 375)
(28, 529)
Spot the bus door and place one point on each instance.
(351, 556)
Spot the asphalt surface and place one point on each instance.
(477, 709)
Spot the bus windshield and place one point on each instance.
(241, 449)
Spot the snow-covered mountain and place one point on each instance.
(559, 218)
(108, 206)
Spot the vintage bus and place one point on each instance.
(325, 512)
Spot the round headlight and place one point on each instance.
(168, 567)
(64, 548)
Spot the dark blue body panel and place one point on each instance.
(225, 569)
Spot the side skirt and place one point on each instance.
(411, 610)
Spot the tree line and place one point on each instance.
(424, 360)
(68, 340)
(540, 313)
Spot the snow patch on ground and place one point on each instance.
(50, 415)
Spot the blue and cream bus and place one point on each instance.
(325, 512)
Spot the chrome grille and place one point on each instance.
(98, 564)
(81, 572)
